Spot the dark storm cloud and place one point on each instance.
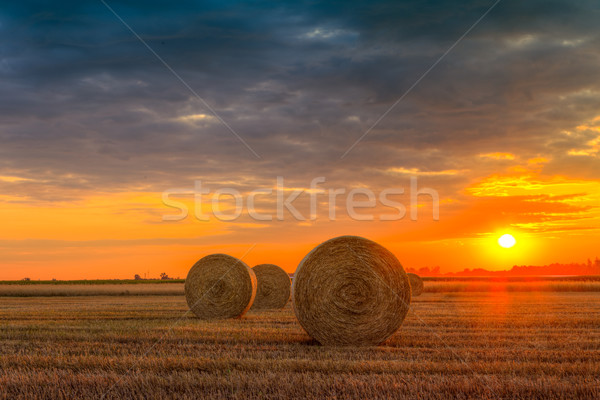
(84, 105)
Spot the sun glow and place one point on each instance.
(507, 241)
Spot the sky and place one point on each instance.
(107, 106)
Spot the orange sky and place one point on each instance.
(501, 119)
(116, 235)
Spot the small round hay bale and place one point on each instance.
(416, 284)
(350, 291)
(274, 287)
(220, 286)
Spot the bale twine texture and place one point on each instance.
(350, 291)
(416, 284)
(274, 287)
(220, 286)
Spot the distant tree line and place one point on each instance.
(163, 276)
(588, 268)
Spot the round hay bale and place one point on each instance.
(416, 284)
(274, 287)
(350, 291)
(220, 286)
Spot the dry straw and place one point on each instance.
(220, 286)
(274, 287)
(350, 291)
(416, 284)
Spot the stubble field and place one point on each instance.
(496, 344)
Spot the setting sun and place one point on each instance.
(507, 241)
(174, 175)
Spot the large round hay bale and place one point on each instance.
(350, 291)
(416, 284)
(220, 286)
(274, 287)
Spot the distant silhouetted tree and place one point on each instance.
(164, 276)
(137, 277)
(26, 279)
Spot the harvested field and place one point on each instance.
(108, 289)
(175, 288)
(527, 345)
